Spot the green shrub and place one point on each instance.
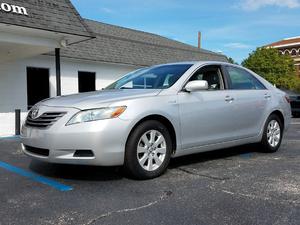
(290, 82)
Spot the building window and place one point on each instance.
(294, 52)
(38, 86)
(86, 81)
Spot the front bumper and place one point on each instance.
(105, 138)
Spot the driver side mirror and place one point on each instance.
(196, 85)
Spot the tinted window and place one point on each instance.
(38, 87)
(213, 76)
(86, 81)
(243, 80)
(159, 77)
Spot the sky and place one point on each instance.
(233, 27)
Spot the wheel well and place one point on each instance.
(280, 115)
(165, 122)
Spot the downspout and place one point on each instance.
(58, 71)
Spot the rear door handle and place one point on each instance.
(229, 99)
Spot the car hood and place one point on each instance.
(98, 98)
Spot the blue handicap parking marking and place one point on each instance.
(35, 177)
(247, 155)
(16, 137)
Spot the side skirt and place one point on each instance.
(218, 146)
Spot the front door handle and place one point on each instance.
(267, 96)
(229, 99)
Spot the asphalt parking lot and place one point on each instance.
(230, 186)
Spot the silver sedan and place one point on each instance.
(156, 113)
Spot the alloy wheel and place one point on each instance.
(151, 150)
(273, 133)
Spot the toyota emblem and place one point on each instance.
(34, 113)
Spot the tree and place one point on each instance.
(266, 61)
(276, 68)
(231, 60)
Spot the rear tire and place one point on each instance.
(272, 135)
(148, 150)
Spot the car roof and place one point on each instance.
(199, 63)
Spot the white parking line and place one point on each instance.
(295, 123)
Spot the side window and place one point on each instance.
(243, 80)
(213, 76)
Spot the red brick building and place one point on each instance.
(289, 46)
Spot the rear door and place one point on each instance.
(250, 101)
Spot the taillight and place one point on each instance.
(287, 98)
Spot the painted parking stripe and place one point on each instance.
(35, 177)
(16, 137)
(247, 155)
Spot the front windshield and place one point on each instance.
(159, 77)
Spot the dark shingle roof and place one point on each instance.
(122, 45)
(52, 15)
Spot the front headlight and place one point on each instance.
(96, 114)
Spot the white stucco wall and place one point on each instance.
(7, 123)
(13, 84)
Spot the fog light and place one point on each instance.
(83, 153)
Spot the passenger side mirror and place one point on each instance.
(196, 85)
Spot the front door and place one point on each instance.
(206, 116)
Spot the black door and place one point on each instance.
(38, 87)
(86, 81)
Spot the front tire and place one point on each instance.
(148, 150)
(273, 132)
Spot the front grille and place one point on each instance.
(46, 120)
(37, 151)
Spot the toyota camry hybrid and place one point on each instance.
(156, 113)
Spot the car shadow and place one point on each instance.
(244, 151)
(97, 173)
(76, 172)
